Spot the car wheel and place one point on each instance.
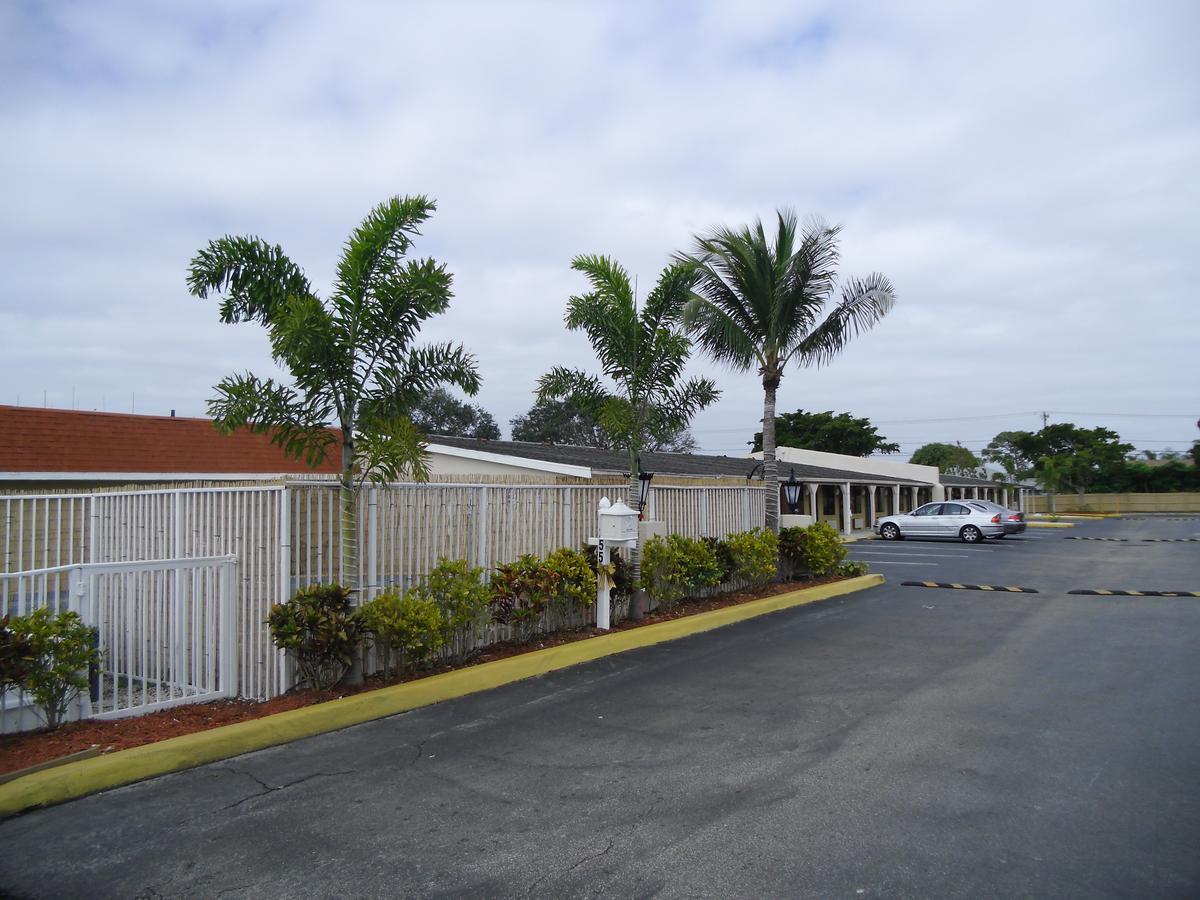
(889, 532)
(1001, 537)
(970, 534)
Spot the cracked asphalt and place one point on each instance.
(900, 742)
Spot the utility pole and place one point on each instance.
(1045, 419)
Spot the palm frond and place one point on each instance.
(376, 247)
(390, 449)
(256, 278)
(407, 374)
(583, 390)
(864, 302)
(297, 424)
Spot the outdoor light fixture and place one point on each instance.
(643, 489)
(791, 490)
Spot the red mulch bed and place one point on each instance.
(32, 747)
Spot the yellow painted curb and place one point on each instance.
(68, 782)
(1050, 524)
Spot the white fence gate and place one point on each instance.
(165, 629)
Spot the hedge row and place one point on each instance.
(447, 613)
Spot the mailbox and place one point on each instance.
(618, 522)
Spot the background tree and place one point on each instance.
(758, 305)
(559, 422)
(1005, 451)
(950, 459)
(440, 412)
(642, 352)
(1063, 456)
(825, 431)
(565, 422)
(351, 357)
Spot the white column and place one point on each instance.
(847, 512)
(895, 499)
(812, 501)
(870, 506)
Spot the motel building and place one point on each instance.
(46, 450)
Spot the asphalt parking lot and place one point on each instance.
(899, 742)
(1157, 553)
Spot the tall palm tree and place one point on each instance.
(758, 302)
(351, 358)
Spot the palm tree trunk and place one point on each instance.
(349, 506)
(770, 467)
(637, 600)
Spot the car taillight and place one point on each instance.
(1015, 517)
(996, 519)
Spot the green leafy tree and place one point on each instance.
(559, 422)
(352, 358)
(841, 433)
(1005, 450)
(564, 422)
(1065, 457)
(440, 412)
(950, 459)
(759, 302)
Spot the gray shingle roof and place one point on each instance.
(616, 462)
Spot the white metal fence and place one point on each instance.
(288, 535)
(165, 630)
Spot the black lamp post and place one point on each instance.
(643, 489)
(791, 491)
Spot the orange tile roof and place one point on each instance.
(62, 440)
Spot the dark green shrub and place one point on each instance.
(55, 652)
(318, 628)
(724, 556)
(755, 556)
(677, 567)
(16, 656)
(814, 551)
(408, 626)
(520, 592)
(462, 597)
(574, 583)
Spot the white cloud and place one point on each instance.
(1023, 174)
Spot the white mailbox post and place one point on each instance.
(618, 528)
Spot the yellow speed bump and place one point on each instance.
(88, 776)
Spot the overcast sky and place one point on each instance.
(1026, 174)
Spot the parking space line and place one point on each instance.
(1103, 592)
(1172, 540)
(1074, 538)
(908, 553)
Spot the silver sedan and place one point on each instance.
(1014, 520)
(945, 520)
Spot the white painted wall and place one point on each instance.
(865, 466)
(445, 460)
